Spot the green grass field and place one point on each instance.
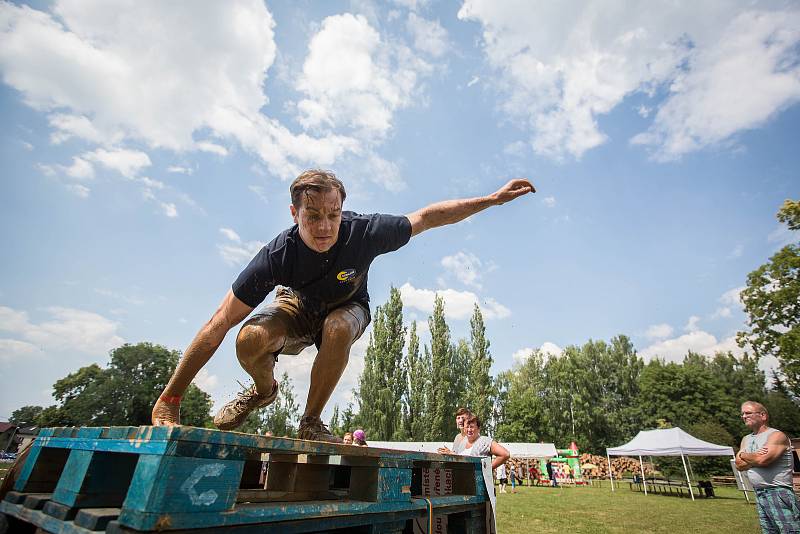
(598, 510)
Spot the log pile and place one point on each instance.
(619, 465)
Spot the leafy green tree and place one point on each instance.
(682, 394)
(705, 466)
(783, 412)
(480, 390)
(772, 303)
(124, 392)
(27, 415)
(383, 382)
(418, 383)
(440, 404)
(521, 413)
(282, 416)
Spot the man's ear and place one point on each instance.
(294, 212)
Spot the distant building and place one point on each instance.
(13, 437)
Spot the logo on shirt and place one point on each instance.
(346, 275)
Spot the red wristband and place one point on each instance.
(170, 400)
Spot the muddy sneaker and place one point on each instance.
(236, 411)
(312, 428)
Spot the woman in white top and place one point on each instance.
(477, 445)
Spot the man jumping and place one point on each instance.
(320, 268)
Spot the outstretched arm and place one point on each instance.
(231, 312)
(453, 211)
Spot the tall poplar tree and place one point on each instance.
(418, 383)
(383, 383)
(440, 404)
(480, 394)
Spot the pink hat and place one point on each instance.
(360, 435)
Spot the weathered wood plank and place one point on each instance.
(96, 518)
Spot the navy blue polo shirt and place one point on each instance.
(323, 279)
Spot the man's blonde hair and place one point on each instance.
(315, 180)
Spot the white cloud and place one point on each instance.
(457, 304)
(169, 209)
(363, 92)
(127, 162)
(231, 235)
(737, 251)
(732, 297)
(473, 81)
(564, 65)
(67, 329)
(80, 169)
(522, 355)
(11, 349)
(429, 36)
(79, 190)
(177, 169)
(551, 349)
(237, 252)
(260, 192)
(547, 350)
(691, 325)
(466, 267)
(157, 73)
(383, 172)
(675, 349)
(782, 236)
(706, 106)
(213, 148)
(205, 380)
(658, 331)
(550, 202)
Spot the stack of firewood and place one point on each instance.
(619, 466)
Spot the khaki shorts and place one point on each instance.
(303, 324)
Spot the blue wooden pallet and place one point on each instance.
(186, 479)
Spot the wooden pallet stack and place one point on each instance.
(185, 479)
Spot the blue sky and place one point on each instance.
(147, 151)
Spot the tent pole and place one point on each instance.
(644, 481)
(740, 479)
(688, 482)
(610, 474)
(689, 461)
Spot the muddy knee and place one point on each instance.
(256, 344)
(340, 329)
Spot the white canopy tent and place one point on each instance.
(666, 442)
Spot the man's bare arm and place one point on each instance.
(230, 312)
(453, 211)
(777, 443)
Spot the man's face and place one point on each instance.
(753, 417)
(318, 218)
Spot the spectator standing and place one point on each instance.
(501, 477)
(766, 456)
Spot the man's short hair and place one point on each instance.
(315, 180)
(472, 417)
(462, 411)
(758, 406)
